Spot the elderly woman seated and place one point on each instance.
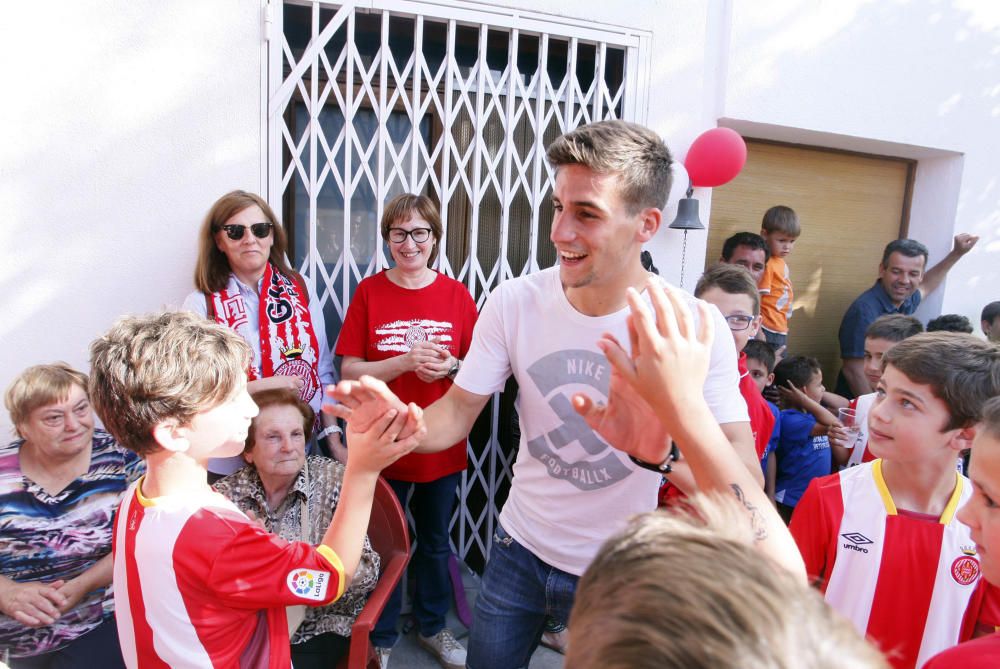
(60, 485)
(294, 496)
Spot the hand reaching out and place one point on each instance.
(377, 447)
(365, 401)
(362, 401)
(669, 360)
(627, 422)
(840, 436)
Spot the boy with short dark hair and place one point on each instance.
(197, 583)
(990, 321)
(803, 451)
(760, 361)
(950, 323)
(884, 333)
(881, 539)
(780, 228)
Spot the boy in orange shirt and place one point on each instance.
(780, 228)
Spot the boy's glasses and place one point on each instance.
(739, 322)
(399, 235)
(236, 232)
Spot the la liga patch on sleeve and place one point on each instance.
(308, 583)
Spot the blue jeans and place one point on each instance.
(431, 506)
(517, 592)
(775, 339)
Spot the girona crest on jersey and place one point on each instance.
(965, 570)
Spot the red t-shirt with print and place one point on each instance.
(384, 321)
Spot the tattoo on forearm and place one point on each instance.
(756, 519)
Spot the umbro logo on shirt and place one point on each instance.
(309, 583)
(856, 542)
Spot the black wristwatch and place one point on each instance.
(664, 467)
(454, 368)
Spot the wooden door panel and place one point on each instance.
(850, 207)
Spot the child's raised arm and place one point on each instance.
(668, 367)
(794, 396)
(370, 451)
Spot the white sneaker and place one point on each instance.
(446, 648)
(383, 656)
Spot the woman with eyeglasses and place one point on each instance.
(244, 283)
(61, 481)
(410, 326)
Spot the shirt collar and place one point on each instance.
(244, 288)
(253, 490)
(884, 300)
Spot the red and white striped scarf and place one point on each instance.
(288, 345)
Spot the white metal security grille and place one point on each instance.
(454, 101)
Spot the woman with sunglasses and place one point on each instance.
(244, 283)
(411, 326)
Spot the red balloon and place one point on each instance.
(716, 157)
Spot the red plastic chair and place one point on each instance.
(390, 538)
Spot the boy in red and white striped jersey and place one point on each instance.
(982, 515)
(197, 583)
(881, 539)
(884, 333)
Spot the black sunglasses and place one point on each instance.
(236, 232)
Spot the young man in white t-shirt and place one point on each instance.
(571, 490)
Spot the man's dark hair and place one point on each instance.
(762, 352)
(634, 153)
(750, 239)
(950, 323)
(990, 312)
(799, 369)
(910, 248)
(894, 327)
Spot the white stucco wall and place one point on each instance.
(121, 122)
(914, 79)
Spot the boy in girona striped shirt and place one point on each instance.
(197, 583)
(982, 515)
(881, 539)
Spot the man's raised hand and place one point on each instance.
(627, 422)
(670, 356)
(365, 401)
